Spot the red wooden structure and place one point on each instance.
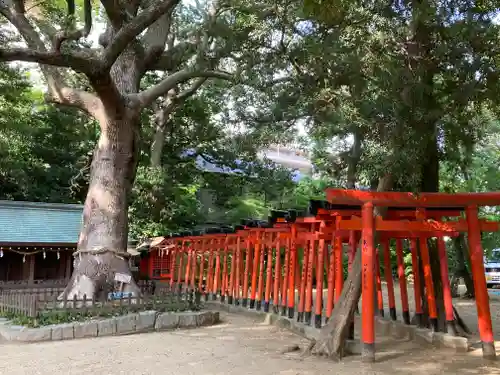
(280, 263)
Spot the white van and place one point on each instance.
(492, 268)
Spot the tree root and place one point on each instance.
(290, 349)
(308, 350)
(94, 276)
(461, 324)
(323, 348)
(295, 348)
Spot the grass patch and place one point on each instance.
(60, 316)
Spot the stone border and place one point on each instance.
(422, 336)
(494, 296)
(383, 327)
(145, 321)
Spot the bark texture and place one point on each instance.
(163, 118)
(461, 271)
(162, 123)
(103, 239)
(331, 341)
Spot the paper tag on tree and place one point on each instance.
(119, 295)
(122, 278)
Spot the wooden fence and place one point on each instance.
(19, 303)
(33, 284)
(32, 303)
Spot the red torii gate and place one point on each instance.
(368, 224)
(243, 269)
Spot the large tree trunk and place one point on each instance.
(157, 147)
(424, 69)
(438, 286)
(430, 183)
(101, 257)
(163, 125)
(102, 244)
(353, 160)
(461, 271)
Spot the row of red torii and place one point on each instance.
(244, 267)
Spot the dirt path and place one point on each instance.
(238, 346)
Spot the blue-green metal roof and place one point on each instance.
(30, 222)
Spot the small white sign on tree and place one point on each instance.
(122, 278)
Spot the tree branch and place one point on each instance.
(115, 13)
(171, 59)
(163, 115)
(130, 31)
(76, 34)
(158, 35)
(147, 97)
(37, 52)
(79, 62)
(173, 100)
(183, 95)
(83, 100)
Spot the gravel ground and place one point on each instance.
(237, 346)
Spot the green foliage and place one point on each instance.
(160, 303)
(44, 151)
(394, 74)
(160, 204)
(289, 196)
(245, 207)
(299, 195)
(476, 170)
(49, 318)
